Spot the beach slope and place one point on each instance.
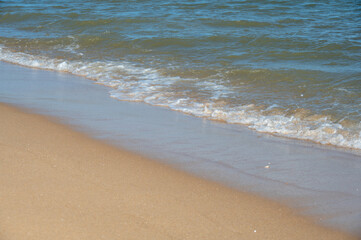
(59, 184)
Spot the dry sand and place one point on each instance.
(56, 183)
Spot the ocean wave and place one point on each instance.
(133, 83)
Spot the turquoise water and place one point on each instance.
(291, 68)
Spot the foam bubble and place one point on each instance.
(132, 83)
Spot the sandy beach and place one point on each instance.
(180, 120)
(60, 184)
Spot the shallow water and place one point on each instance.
(290, 68)
(319, 181)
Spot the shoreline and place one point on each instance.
(348, 146)
(61, 184)
(320, 183)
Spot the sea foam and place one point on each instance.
(133, 83)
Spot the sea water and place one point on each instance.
(290, 68)
(317, 180)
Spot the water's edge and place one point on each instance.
(301, 125)
(321, 181)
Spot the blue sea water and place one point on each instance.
(290, 68)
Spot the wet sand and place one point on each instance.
(317, 181)
(60, 184)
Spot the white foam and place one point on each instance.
(133, 83)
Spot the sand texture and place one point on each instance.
(56, 183)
